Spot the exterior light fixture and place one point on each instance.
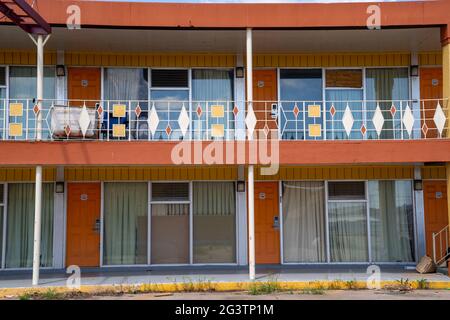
(414, 71)
(418, 185)
(59, 187)
(241, 186)
(60, 71)
(239, 72)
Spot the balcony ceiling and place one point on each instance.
(229, 41)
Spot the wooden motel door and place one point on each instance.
(430, 88)
(83, 224)
(436, 214)
(84, 84)
(267, 223)
(265, 91)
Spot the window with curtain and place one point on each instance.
(212, 87)
(128, 86)
(20, 225)
(391, 86)
(214, 209)
(347, 218)
(344, 87)
(125, 223)
(170, 223)
(169, 93)
(391, 221)
(304, 221)
(301, 87)
(22, 87)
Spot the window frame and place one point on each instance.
(3, 207)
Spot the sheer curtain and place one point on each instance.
(392, 85)
(391, 221)
(214, 209)
(335, 127)
(125, 219)
(348, 231)
(20, 225)
(216, 87)
(304, 221)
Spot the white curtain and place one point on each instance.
(214, 209)
(20, 225)
(125, 223)
(391, 218)
(348, 231)
(304, 222)
(122, 84)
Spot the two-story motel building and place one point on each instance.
(359, 117)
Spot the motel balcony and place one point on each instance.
(171, 120)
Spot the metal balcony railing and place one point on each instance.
(224, 120)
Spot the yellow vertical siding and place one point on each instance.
(433, 173)
(430, 58)
(340, 173)
(150, 173)
(18, 57)
(25, 174)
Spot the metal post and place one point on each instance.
(38, 187)
(251, 181)
(37, 226)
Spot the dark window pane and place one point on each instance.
(170, 192)
(2, 76)
(170, 78)
(346, 190)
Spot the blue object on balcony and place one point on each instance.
(109, 121)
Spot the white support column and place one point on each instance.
(415, 97)
(251, 181)
(420, 217)
(38, 188)
(37, 226)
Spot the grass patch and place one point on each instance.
(402, 285)
(351, 285)
(267, 287)
(422, 284)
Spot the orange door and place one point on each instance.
(430, 88)
(436, 214)
(84, 84)
(265, 91)
(83, 224)
(267, 232)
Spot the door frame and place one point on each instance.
(66, 196)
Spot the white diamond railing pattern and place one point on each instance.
(226, 120)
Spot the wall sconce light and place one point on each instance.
(241, 186)
(414, 71)
(60, 71)
(59, 187)
(239, 72)
(418, 185)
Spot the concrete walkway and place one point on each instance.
(171, 275)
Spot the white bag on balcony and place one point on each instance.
(63, 117)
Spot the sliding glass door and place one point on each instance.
(125, 223)
(20, 225)
(304, 222)
(355, 216)
(214, 210)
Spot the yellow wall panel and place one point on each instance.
(339, 173)
(25, 174)
(430, 58)
(434, 172)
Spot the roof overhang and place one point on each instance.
(246, 15)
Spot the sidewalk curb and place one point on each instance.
(205, 286)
